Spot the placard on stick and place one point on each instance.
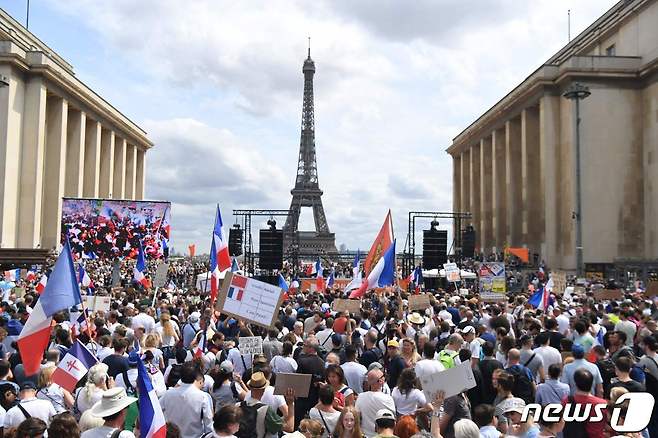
(608, 294)
(652, 289)
(419, 302)
(300, 383)
(345, 305)
(249, 299)
(160, 279)
(250, 344)
(559, 281)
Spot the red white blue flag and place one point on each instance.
(221, 243)
(139, 272)
(152, 422)
(73, 366)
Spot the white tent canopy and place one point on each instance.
(435, 273)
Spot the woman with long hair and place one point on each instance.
(152, 344)
(409, 399)
(343, 395)
(349, 424)
(63, 425)
(169, 333)
(60, 398)
(97, 382)
(409, 353)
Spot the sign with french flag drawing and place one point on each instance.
(73, 366)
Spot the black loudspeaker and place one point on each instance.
(435, 248)
(468, 242)
(270, 254)
(235, 242)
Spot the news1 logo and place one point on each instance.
(636, 418)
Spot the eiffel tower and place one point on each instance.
(306, 192)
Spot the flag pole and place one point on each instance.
(155, 295)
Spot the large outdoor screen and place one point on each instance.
(105, 228)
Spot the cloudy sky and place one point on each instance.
(218, 87)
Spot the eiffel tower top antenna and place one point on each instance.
(309, 47)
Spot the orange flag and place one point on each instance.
(521, 253)
(192, 249)
(380, 245)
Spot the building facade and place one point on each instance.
(57, 138)
(514, 167)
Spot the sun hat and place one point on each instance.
(384, 414)
(260, 359)
(515, 405)
(257, 381)
(113, 400)
(226, 367)
(415, 318)
(468, 329)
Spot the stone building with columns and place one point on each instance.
(514, 167)
(57, 138)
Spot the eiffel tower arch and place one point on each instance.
(307, 193)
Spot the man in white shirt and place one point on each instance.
(241, 362)
(187, 406)
(626, 326)
(353, 370)
(144, 320)
(29, 405)
(370, 402)
(563, 322)
(548, 354)
(428, 365)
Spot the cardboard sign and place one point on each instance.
(559, 281)
(609, 294)
(452, 381)
(453, 273)
(652, 289)
(160, 279)
(300, 383)
(96, 303)
(343, 305)
(419, 302)
(250, 344)
(250, 300)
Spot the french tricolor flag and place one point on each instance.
(62, 292)
(74, 366)
(356, 274)
(221, 243)
(30, 276)
(13, 275)
(139, 272)
(319, 279)
(214, 272)
(152, 422)
(85, 280)
(382, 274)
(283, 284)
(41, 285)
(331, 280)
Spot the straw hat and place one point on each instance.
(257, 381)
(114, 400)
(415, 318)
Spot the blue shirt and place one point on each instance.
(518, 368)
(570, 369)
(552, 391)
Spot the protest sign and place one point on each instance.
(343, 305)
(250, 344)
(250, 300)
(492, 281)
(419, 302)
(97, 303)
(160, 279)
(652, 289)
(300, 383)
(559, 282)
(609, 294)
(452, 381)
(19, 292)
(579, 290)
(453, 274)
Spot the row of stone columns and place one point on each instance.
(498, 180)
(66, 153)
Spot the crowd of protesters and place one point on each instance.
(365, 366)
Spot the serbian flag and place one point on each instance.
(62, 292)
(221, 243)
(356, 275)
(73, 366)
(380, 245)
(152, 422)
(41, 285)
(139, 271)
(382, 274)
(214, 272)
(85, 280)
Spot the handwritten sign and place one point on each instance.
(97, 303)
(250, 300)
(300, 383)
(160, 279)
(343, 305)
(250, 344)
(608, 294)
(419, 302)
(559, 281)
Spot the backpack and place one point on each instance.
(522, 387)
(249, 420)
(447, 359)
(574, 429)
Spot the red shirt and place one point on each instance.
(340, 325)
(593, 428)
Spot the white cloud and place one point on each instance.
(395, 82)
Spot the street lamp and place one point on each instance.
(578, 92)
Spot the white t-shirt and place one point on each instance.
(562, 323)
(104, 432)
(330, 420)
(475, 346)
(40, 409)
(368, 403)
(240, 361)
(549, 356)
(268, 398)
(354, 373)
(427, 367)
(53, 393)
(406, 404)
(281, 364)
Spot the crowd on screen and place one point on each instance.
(366, 366)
